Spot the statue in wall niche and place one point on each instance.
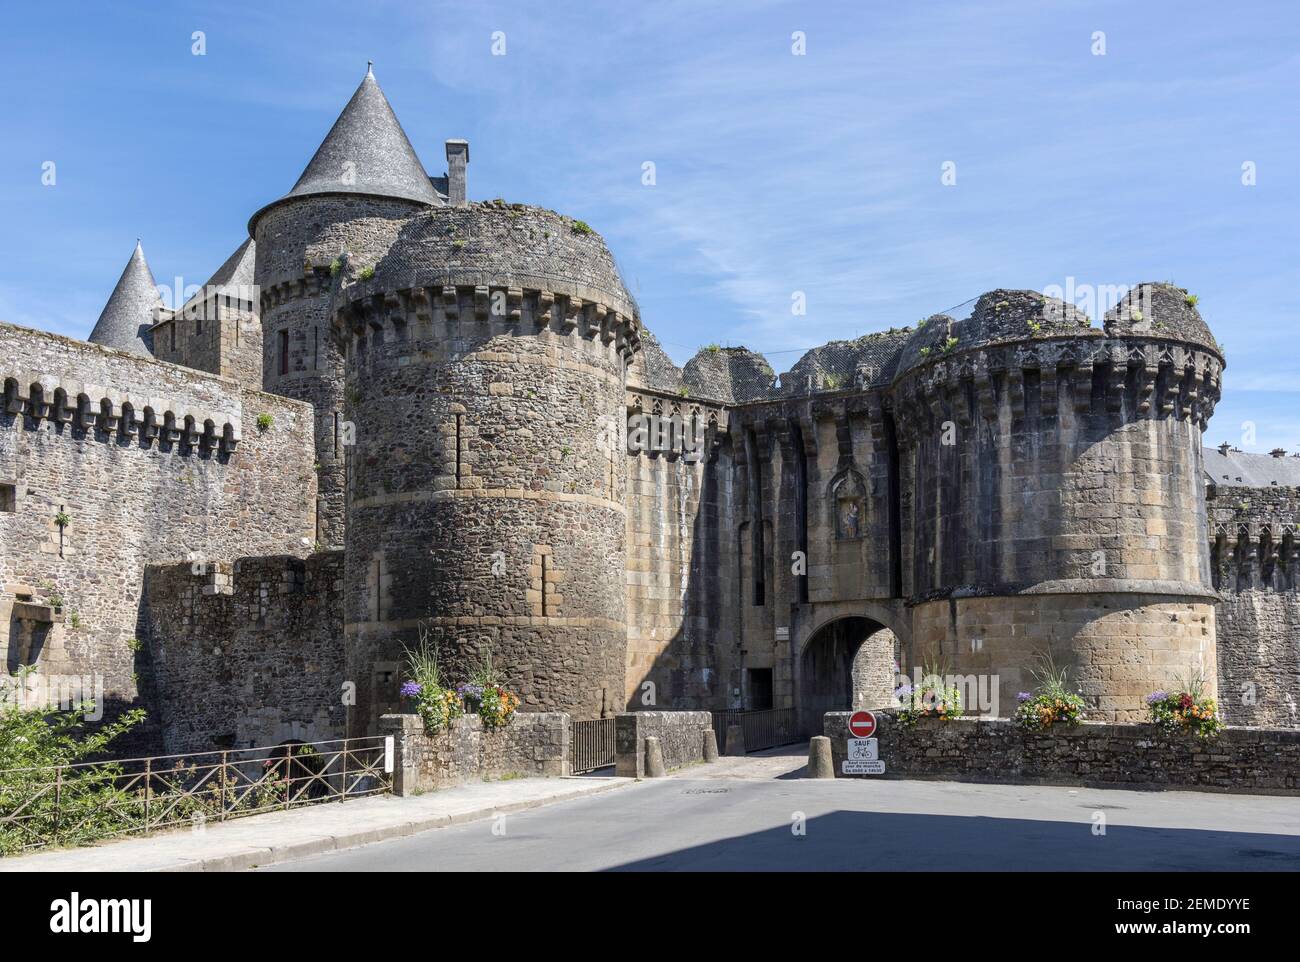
(846, 498)
(850, 509)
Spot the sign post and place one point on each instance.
(863, 756)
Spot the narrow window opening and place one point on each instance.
(8, 498)
(284, 352)
(546, 591)
(458, 425)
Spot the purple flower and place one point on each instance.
(1024, 696)
(410, 689)
(470, 689)
(1156, 696)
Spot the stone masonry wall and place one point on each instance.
(246, 654)
(680, 734)
(680, 597)
(1256, 567)
(156, 463)
(533, 743)
(1249, 760)
(217, 333)
(297, 241)
(1118, 647)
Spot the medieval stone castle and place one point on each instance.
(394, 410)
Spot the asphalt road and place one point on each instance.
(757, 813)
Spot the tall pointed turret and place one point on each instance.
(356, 194)
(365, 152)
(129, 313)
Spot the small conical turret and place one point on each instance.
(129, 313)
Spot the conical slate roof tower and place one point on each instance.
(365, 152)
(357, 191)
(129, 313)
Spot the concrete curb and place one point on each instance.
(258, 857)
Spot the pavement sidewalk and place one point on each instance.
(279, 836)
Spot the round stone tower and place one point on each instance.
(485, 367)
(1056, 507)
(347, 206)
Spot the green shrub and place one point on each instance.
(264, 421)
(366, 273)
(91, 806)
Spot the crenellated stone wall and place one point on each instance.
(1256, 569)
(681, 648)
(145, 463)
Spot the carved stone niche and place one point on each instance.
(848, 505)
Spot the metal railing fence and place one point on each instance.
(764, 728)
(79, 803)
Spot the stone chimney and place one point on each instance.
(457, 161)
(1278, 452)
(1224, 448)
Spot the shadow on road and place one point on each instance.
(878, 841)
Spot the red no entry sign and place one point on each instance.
(862, 724)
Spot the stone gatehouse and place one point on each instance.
(394, 408)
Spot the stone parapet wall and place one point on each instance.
(1262, 761)
(680, 734)
(532, 743)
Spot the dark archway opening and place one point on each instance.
(847, 664)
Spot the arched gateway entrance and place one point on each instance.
(846, 664)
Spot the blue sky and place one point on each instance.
(775, 173)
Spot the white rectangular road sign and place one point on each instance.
(862, 766)
(864, 749)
